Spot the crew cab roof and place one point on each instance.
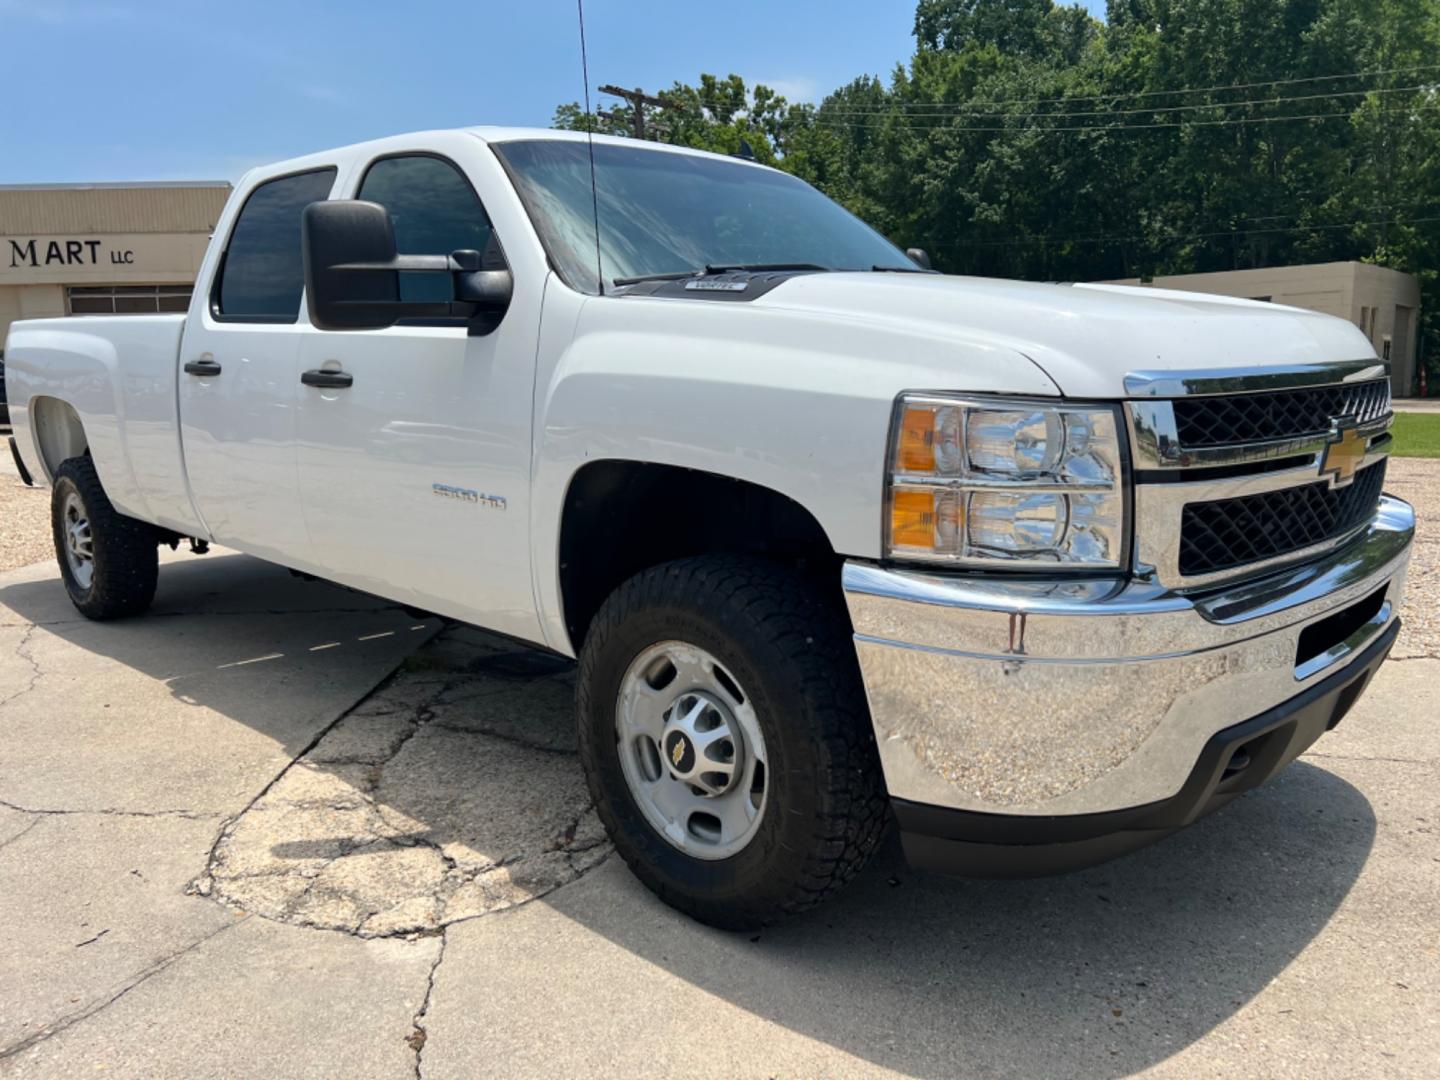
(518, 134)
(487, 134)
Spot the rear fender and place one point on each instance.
(106, 386)
(57, 433)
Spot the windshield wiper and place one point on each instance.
(727, 267)
(708, 269)
(674, 275)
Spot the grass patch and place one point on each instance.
(1416, 435)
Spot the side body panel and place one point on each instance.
(415, 479)
(793, 402)
(238, 433)
(238, 428)
(118, 374)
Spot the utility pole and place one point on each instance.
(638, 100)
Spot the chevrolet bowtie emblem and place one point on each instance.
(1344, 453)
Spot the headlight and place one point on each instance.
(1003, 483)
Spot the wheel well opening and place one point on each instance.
(622, 517)
(59, 434)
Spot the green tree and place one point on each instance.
(1036, 29)
(717, 115)
(1024, 138)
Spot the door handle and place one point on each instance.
(332, 380)
(204, 368)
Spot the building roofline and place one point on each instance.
(1260, 271)
(118, 186)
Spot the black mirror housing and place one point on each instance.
(488, 290)
(334, 234)
(352, 273)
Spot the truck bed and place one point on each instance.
(119, 373)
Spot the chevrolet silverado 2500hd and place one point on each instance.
(1041, 572)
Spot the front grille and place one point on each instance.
(1227, 533)
(1282, 414)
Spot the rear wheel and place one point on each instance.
(110, 563)
(726, 741)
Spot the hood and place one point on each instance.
(1086, 338)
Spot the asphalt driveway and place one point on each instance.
(276, 829)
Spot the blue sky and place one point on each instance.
(161, 89)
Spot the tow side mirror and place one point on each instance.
(352, 273)
(919, 257)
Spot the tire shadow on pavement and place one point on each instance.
(1097, 973)
(452, 794)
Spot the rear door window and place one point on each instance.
(262, 276)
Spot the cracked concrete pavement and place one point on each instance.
(126, 747)
(277, 829)
(451, 792)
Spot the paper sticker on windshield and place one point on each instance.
(701, 285)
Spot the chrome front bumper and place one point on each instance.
(1023, 697)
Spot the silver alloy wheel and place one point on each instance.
(79, 545)
(691, 750)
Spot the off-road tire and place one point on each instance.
(126, 551)
(790, 647)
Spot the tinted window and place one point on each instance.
(263, 277)
(435, 212)
(662, 212)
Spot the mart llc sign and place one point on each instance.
(109, 258)
(53, 254)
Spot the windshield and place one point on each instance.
(667, 213)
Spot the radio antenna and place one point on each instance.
(590, 142)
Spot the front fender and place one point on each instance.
(794, 403)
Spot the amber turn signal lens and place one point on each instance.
(912, 519)
(915, 450)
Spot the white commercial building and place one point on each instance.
(81, 249)
(1384, 303)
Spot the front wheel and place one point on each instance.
(110, 563)
(726, 741)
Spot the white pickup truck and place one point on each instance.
(1039, 572)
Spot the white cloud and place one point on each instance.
(796, 89)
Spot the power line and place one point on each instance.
(958, 111)
(824, 115)
(638, 100)
(1176, 125)
(1382, 207)
(948, 108)
(826, 111)
(962, 108)
(1127, 95)
(1103, 239)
